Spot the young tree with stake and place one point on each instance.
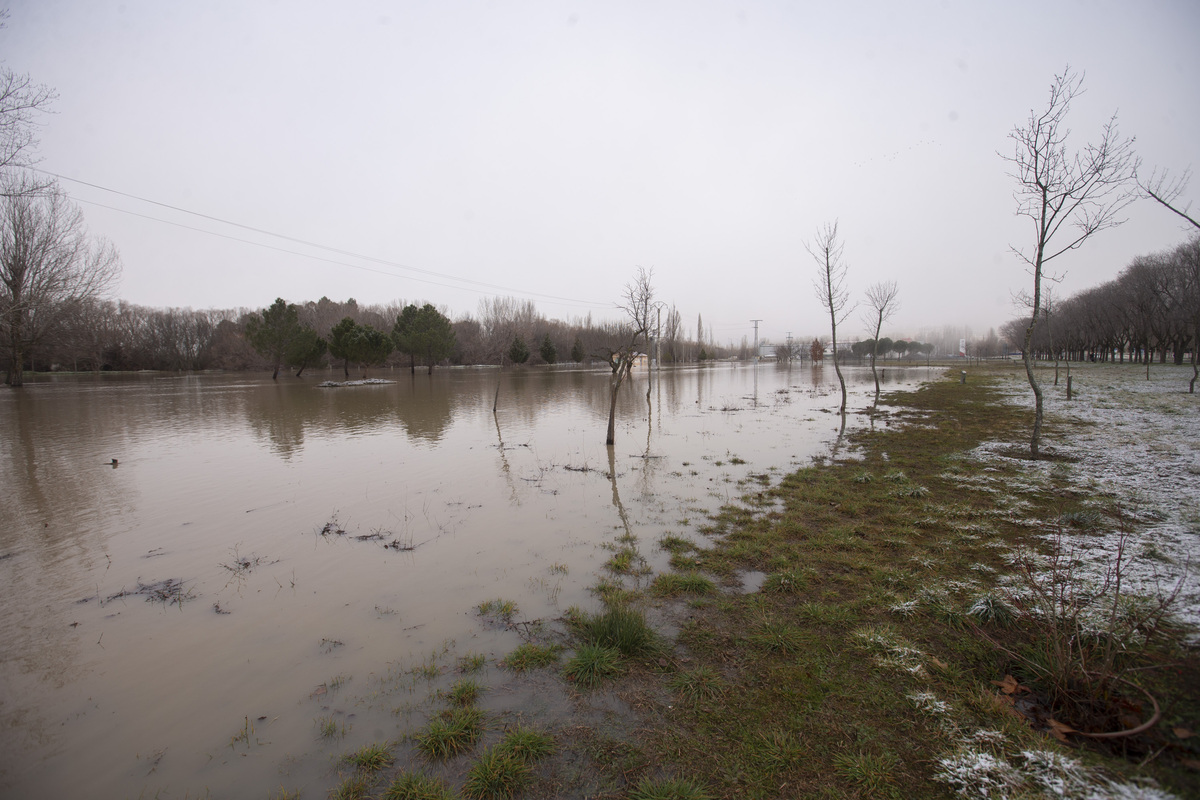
(1067, 196)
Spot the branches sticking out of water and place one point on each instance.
(171, 590)
(401, 543)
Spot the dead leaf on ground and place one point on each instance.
(1010, 686)
(1059, 730)
(1190, 763)
(1182, 733)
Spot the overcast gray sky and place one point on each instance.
(546, 149)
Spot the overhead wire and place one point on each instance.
(490, 288)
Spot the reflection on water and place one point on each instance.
(235, 564)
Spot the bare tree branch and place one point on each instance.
(1166, 192)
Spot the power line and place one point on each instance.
(307, 243)
(301, 255)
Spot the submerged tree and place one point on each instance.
(49, 266)
(623, 347)
(274, 332)
(830, 285)
(1067, 196)
(306, 349)
(518, 352)
(370, 347)
(342, 342)
(424, 332)
(548, 351)
(882, 298)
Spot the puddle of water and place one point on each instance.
(266, 556)
(752, 581)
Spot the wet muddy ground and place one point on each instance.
(273, 575)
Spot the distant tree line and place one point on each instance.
(101, 335)
(1150, 310)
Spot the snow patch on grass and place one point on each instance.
(1132, 441)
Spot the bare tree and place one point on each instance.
(1067, 196)
(883, 299)
(48, 266)
(830, 285)
(21, 103)
(1165, 191)
(622, 348)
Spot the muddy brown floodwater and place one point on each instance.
(265, 558)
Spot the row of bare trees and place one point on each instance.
(1150, 310)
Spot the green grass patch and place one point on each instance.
(471, 663)
(497, 774)
(498, 610)
(528, 744)
(371, 757)
(414, 786)
(592, 664)
(464, 692)
(531, 655)
(668, 789)
(450, 733)
(674, 584)
(622, 628)
(356, 787)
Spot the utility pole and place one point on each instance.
(658, 341)
(756, 321)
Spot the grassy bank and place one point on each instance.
(892, 648)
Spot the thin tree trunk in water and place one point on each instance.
(838, 369)
(873, 372)
(612, 416)
(617, 380)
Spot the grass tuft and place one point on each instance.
(592, 664)
(502, 610)
(872, 774)
(371, 757)
(451, 733)
(992, 610)
(464, 692)
(670, 789)
(527, 744)
(790, 581)
(497, 774)
(356, 787)
(622, 628)
(531, 655)
(701, 683)
(673, 584)
(471, 662)
(414, 786)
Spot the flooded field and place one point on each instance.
(205, 575)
